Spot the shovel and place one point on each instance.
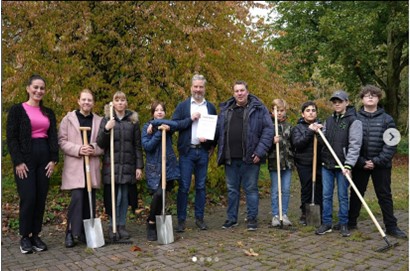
(312, 210)
(275, 110)
(388, 244)
(165, 232)
(92, 227)
(113, 202)
(115, 239)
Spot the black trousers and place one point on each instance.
(305, 177)
(381, 178)
(79, 209)
(33, 189)
(156, 203)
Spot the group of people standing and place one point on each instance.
(245, 136)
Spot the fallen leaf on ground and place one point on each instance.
(135, 248)
(250, 252)
(240, 244)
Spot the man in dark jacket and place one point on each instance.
(245, 132)
(302, 142)
(193, 151)
(375, 160)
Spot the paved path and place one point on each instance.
(218, 249)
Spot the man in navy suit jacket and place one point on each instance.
(193, 151)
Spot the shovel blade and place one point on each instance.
(94, 233)
(313, 215)
(165, 233)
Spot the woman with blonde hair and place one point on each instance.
(70, 139)
(128, 161)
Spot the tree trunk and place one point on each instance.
(394, 53)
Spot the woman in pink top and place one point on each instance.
(33, 146)
(70, 139)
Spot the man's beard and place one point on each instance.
(198, 96)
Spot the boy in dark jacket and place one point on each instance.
(302, 143)
(375, 160)
(344, 132)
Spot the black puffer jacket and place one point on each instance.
(302, 143)
(373, 146)
(127, 148)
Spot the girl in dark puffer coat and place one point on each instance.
(128, 162)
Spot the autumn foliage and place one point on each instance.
(147, 49)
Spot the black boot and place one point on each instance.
(69, 240)
(113, 236)
(151, 232)
(123, 232)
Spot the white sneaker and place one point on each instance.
(275, 221)
(286, 221)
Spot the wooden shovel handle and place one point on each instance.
(164, 158)
(113, 201)
(314, 158)
(275, 110)
(376, 223)
(86, 158)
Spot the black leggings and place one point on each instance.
(156, 203)
(33, 190)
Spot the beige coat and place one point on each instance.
(70, 141)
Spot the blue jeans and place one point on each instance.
(237, 173)
(328, 180)
(195, 161)
(285, 176)
(121, 205)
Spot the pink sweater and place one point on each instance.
(39, 122)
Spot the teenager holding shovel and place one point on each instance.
(151, 142)
(302, 141)
(128, 162)
(286, 164)
(70, 139)
(343, 131)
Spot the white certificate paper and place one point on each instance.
(207, 126)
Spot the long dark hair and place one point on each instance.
(154, 106)
(29, 82)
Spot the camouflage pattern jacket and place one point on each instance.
(285, 149)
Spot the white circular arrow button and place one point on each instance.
(391, 137)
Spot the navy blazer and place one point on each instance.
(182, 116)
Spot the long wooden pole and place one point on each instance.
(353, 185)
(275, 110)
(114, 203)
